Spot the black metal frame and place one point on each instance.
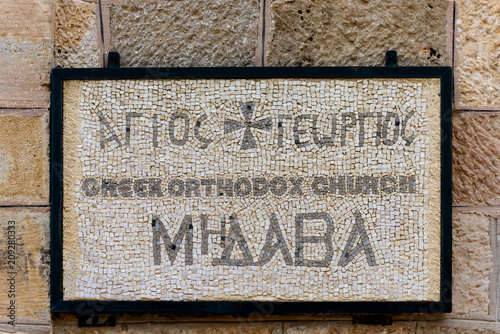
(203, 307)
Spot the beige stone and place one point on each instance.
(476, 158)
(26, 20)
(31, 267)
(358, 33)
(344, 327)
(75, 34)
(186, 328)
(474, 276)
(497, 232)
(25, 50)
(25, 69)
(458, 327)
(185, 33)
(24, 164)
(473, 266)
(25, 329)
(477, 53)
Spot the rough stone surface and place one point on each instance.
(26, 53)
(458, 327)
(26, 20)
(25, 329)
(25, 69)
(199, 328)
(75, 35)
(185, 33)
(473, 268)
(476, 158)
(24, 177)
(217, 33)
(358, 33)
(340, 327)
(32, 265)
(497, 232)
(477, 53)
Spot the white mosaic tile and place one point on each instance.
(276, 189)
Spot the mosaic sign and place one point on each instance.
(251, 188)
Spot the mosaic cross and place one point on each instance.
(248, 141)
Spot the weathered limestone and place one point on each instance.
(476, 158)
(358, 33)
(473, 263)
(458, 327)
(26, 53)
(181, 328)
(31, 267)
(26, 20)
(25, 69)
(24, 166)
(225, 33)
(185, 33)
(497, 278)
(25, 329)
(477, 51)
(345, 327)
(75, 34)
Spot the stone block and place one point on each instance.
(26, 20)
(358, 33)
(458, 327)
(24, 163)
(179, 328)
(25, 329)
(473, 263)
(75, 34)
(26, 280)
(476, 158)
(497, 232)
(344, 327)
(25, 69)
(477, 52)
(26, 53)
(185, 33)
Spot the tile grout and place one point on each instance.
(25, 206)
(453, 38)
(263, 37)
(22, 108)
(477, 111)
(101, 26)
(474, 206)
(495, 261)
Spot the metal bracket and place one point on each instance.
(97, 320)
(114, 60)
(391, 58)
(372, 319)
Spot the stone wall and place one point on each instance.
(37, 35)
